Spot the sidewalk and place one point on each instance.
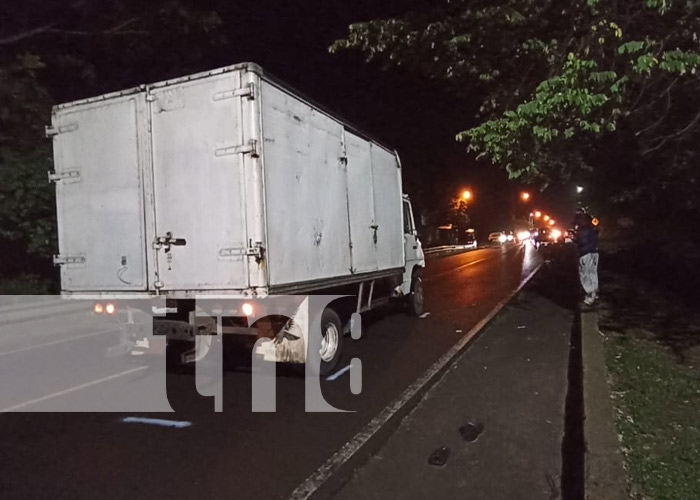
(513, 380)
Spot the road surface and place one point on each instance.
(236, 454)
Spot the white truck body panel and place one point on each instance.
(100, 210)
(222, 183)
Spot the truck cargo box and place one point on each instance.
(224, 182)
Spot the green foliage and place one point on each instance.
(657, 416)
(584, 90)
(26, 284)
(27, 204)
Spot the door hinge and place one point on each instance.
(251, 148)
(247, 91)
(52, 131)
(258, 251)
(60, 260)
(68, 174)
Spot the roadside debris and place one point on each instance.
(471, 431)
(439, 457)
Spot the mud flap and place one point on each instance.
(290, 344)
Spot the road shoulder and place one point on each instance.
(513, 381)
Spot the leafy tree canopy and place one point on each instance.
(599, 91)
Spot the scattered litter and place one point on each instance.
(521, 327)
(157, 421)
(471, 431)
(424, 315)
(439, 457)
(339, 373)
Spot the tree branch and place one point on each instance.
(26, 34)
(50, 28)
(657, 122)
(667, 138)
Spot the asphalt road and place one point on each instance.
(238, 454)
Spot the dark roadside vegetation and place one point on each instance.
(651, 326)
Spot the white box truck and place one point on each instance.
(228, 184)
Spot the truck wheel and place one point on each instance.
(416, 300)
(331, 340)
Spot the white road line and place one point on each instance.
(177, 424)
(78, 337)
(316, 480)
(72, 389)
(339, 373)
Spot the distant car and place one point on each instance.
(541, 237)
(498, 237)
(524, 235)
(470, 239)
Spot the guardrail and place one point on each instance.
(447, 249)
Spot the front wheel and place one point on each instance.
(416, 300)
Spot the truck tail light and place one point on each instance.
(110, 308)
(98, 308)
(248, 309)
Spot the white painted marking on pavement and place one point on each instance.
(72, 389)
(157, 421)
(78, 337)
(325, 471)
(339, 373)
(424, 315)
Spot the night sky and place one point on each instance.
(409, 113)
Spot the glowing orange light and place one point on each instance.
(525, 196)
(546, 218)
(595, 221)
(466, 195)
(538, 214)
(551, 222)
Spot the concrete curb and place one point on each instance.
(605, 476)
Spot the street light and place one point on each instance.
(551, 222)
(579, 189)
(546, 218)
(525, 196)
(466, 195)
(538, 214)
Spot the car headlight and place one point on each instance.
(502, 238)
(556, 234)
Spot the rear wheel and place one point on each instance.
(416, 300)
(331, 349)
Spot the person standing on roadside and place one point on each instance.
(586, 237)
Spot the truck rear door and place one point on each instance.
(98, 178)
(198, 143)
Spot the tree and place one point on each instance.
(605, 92)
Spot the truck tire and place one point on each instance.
(416, 299)
(331, 340)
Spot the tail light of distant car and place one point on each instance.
(109, 308)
